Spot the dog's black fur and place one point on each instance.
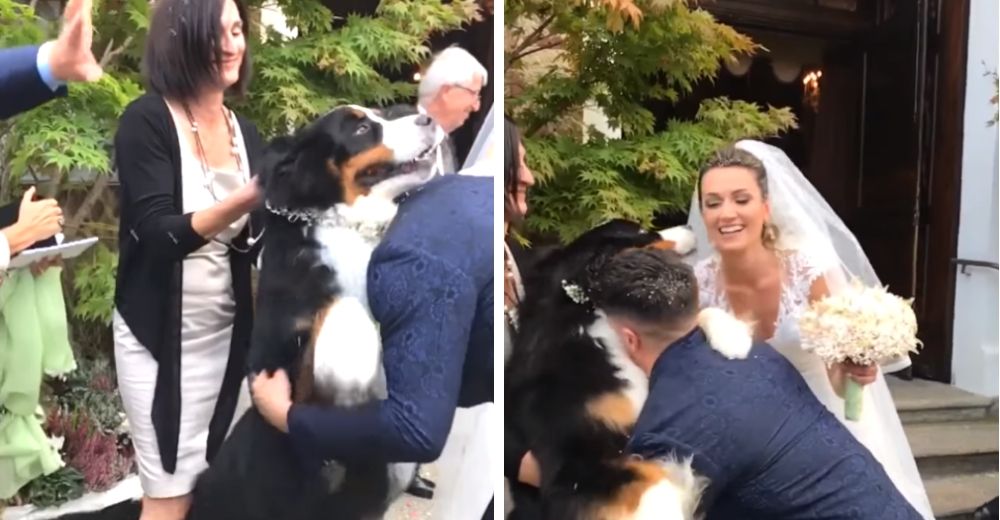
(556, 368)
(256, 474)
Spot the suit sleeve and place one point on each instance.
(21, 85)
(425, 308)
(147, 177)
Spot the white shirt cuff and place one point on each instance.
(43, 64)
(4, 252)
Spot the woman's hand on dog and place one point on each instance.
(250, 195)
(272, 395)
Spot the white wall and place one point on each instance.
(271, 16)
(977, 313)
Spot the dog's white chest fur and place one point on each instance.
(347, 361)
(637, 387)
(347, 358)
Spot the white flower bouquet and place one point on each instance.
(863, 325)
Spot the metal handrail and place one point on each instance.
(964, 263)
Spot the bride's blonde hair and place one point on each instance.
(732, 156)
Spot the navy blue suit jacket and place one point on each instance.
(769, 448)
(430, 287)
(21, 87)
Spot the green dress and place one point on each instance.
(34, 340)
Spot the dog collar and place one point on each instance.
(371, 230)
(294, 216)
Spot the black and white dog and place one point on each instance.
(574, 393)
(330, 193)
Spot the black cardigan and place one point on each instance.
(154, 238)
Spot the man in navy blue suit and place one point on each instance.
(32, 75)
(767, 447)
(430, 287)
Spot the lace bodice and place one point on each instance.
(800, 269)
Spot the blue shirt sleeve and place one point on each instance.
(425, 308)
(42, 63)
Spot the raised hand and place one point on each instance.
(71, 57)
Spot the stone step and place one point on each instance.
(957, 496)
(953, 438)
(920, 401)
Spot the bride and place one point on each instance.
(776, 246)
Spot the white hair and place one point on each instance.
(452, 66)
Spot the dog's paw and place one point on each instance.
(682, 237)
(727, 334)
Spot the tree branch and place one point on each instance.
(110, 53)
(93, 195)
(547, 43)
(530, 39)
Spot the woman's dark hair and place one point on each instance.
(737, 157)
(184, 50)
(511, 168)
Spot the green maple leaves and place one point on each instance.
(585, 179)
(300, 77)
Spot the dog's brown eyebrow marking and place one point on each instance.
(669, 245)
(358, 113)
(349, 171)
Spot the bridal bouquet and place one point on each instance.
(863, 325)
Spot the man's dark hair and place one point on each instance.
(652, 286)
(184, 49)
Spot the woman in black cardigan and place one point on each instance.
(183, 299)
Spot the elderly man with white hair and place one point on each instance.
(449, 93)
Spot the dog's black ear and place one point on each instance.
(298, 171)
(275, 159)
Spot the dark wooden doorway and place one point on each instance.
(884, 145)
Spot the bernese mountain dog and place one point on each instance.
(575, 395)
(330, 192)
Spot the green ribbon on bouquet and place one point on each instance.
(34, 341)
(853, 398)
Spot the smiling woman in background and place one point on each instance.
(183, 309)
(520, 467)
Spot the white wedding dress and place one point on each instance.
(813, 241)
(879, 428)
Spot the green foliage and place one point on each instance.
(619, 55)
(15, 31)
(94, 285)
(64, 484)
(299, 78)
(90, 391)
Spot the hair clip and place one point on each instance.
(575, 292)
